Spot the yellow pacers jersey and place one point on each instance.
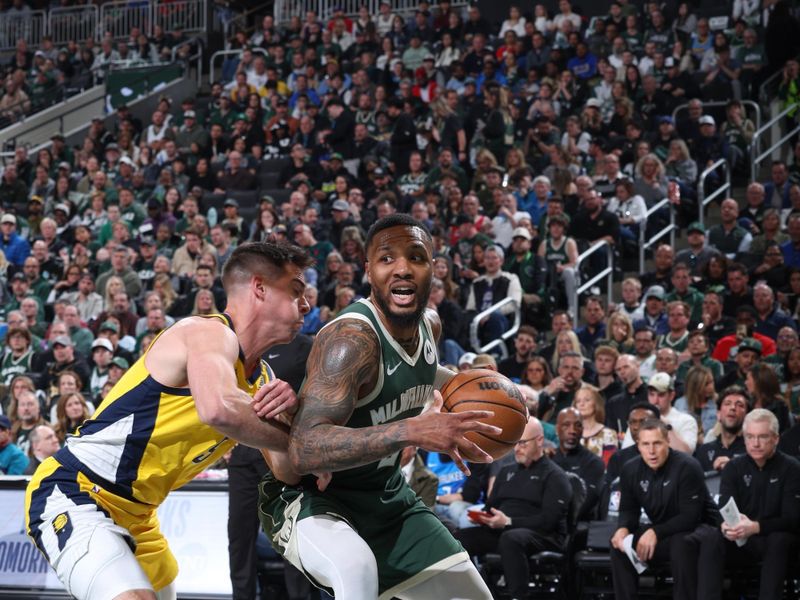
(147, 438)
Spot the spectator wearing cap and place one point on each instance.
(655, 317)
(730, 238)
(191, 137)
(663, 137)
(15, 247)
(528, 266)
(468, 237)
(64, 359)
(709, 146)
(109, 329)
(747, 354)
(697, 255)
(341, 218)
(12, 459)
(488, 289)
(339, 135)
(117, 368)
(20, 289)
(465, 361)
(102, 353)
(683, 429)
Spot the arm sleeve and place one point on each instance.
(629, 507)
(789, 516)
(690, 502)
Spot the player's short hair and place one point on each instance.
(396, 220)
(264, 258)
(651, 408)
(655, 425)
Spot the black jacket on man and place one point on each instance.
(589, 467)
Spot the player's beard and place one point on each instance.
(409, 319)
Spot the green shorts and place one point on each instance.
(407, 539)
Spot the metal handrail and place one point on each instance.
(608, 273)
(669, 229)
(756, 160)
(198, 56)
(702, 201)
(763, 94)
(474, 339)
(754, 105)
(219, 53)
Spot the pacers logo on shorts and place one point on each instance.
(62, 526)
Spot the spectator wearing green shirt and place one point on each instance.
(698, 348)
(682, 290)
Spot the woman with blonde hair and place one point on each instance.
(204, 303)
(162, 284)
(344, 297)
(649, 180)
(485, 161)
(699, 398)
(619, 333)
(443, 270)
(566, 341)
(71, 411)
(597, 438)
(515, 162)
(114, 286)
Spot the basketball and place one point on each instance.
(483, 389)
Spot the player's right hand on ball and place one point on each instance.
(438, 431)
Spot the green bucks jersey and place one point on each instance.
(403, 388)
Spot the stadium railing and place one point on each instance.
(286, 9)
(702, 199)
(65, 23)
(223, 53)
(756, 143)
(474, 338)
(649, 240)
(31, 27)
(720, 104)
(607, 273)
(118, 18)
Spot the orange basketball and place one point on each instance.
(483, 389)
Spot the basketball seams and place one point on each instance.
(481, 401)
(467, 382)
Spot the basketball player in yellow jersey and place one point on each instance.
(91, 509)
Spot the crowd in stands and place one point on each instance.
(35, 76)
(518, 144)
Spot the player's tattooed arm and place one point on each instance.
(343, 362)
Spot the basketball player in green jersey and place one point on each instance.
(370, 373)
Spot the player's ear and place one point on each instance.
(259, 287)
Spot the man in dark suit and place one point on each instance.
(246, 467)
